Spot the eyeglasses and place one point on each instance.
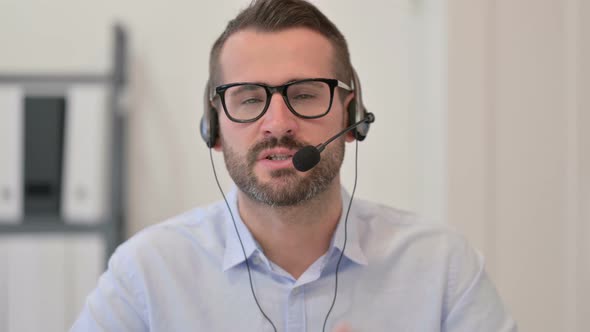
(308, 98)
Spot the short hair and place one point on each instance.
(278, 15)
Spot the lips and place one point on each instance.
(276, 154)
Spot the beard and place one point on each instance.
(287, 187)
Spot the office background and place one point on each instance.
(482, 123)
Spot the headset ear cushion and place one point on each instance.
(352, 117)
(209, 127)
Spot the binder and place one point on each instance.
(11, 153)
(43, 146)
(86, 176)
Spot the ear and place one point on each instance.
(217, 147)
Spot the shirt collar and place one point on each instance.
(233, 250)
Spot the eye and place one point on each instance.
(303, 96)
(252, 100)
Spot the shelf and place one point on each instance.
(52, 225)
(52, 79)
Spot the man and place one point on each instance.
(286, 254)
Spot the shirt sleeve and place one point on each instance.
(115, 304)
(473, 303)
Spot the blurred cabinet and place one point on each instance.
(61, 190)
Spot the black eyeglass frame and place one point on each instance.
(282, 89)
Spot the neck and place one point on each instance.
(294, 237)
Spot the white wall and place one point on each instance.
(519, 151)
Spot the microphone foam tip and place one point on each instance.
(306, 158)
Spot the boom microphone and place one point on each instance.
(309, 156)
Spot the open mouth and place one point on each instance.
(276, 155)
(279, 156)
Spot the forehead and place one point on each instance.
(275, 57)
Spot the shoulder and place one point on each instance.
(197, 232)
(387, 229)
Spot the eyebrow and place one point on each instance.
(242, 88)
(315, 83)
(292, 79)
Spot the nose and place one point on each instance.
(278, 120)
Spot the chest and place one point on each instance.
(367, 300)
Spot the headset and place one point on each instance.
(356, 112)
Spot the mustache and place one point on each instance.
(274, 142)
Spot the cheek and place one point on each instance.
(338, 117)
(236, 134)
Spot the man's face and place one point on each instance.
(258, 154)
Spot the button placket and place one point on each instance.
(296, 310)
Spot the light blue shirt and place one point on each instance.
(397, 274)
